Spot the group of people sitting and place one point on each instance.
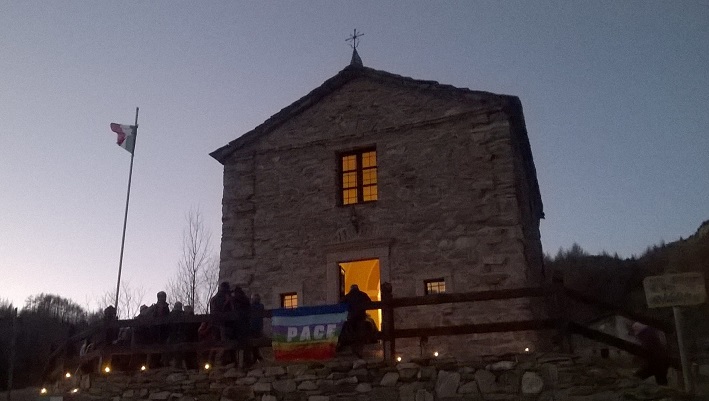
(236, 318)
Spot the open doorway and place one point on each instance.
(366, 274)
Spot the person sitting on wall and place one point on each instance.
(356, 326)
(221, 303)
(109, 332)
(159, 332)
(192, 328)
(657, 360)
(177, 335)
(161, 309)
(253, 354)
(191, 336)
(141, 333)
(241, 306)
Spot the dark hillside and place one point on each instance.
(620, 281)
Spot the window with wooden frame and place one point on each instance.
(435, 286)
(358, 176)
(289, 300)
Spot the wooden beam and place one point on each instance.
(523, 325)
(604, 338)
(490, 295)
(647, 320)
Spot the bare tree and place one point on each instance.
(197, 270)
(130, 299)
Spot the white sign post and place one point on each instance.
(676, 290)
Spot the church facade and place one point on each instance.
(374, 177)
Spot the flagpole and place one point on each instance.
(125, 216)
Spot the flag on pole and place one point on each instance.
(126, 136)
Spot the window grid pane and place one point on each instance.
(437, 286)
(370, 193)
(349, 163)
(358, 178)
(349, 180)
(369, 176)
(349, 196)
(289, 301)
(369, 159)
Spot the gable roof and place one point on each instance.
(512, 105)
(349, 73)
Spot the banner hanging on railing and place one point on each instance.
(307, 332)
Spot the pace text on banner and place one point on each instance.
(308, 332)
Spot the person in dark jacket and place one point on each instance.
(220, 301)
(161, 309)
(255, 329)
(356, 325)
(219, 304)
(178, 334)
(657, 360)
(110, 326)
(240, 305)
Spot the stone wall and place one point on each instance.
(454, 202)
(523, 377)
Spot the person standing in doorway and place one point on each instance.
(356, 324)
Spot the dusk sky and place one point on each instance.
(615, 97)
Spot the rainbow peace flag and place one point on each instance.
(307, 332)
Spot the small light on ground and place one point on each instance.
(398, 359)
(43, 390)
(526, 349)
(435, 354)
(107, 369)
(207, 366)
(67, 375)
(143, 368)
(76, 390)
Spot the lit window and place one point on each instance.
(358, 178)
(435, 286)
(289, 300)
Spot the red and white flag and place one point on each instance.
(126, 136)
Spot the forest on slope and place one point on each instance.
(620, 281)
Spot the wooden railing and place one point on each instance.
(558, 298)
(389, 304)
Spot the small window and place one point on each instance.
(435, 286)
(358, 177)
(289, 300)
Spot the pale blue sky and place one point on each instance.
(615, 95)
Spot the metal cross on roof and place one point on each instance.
(354, 37)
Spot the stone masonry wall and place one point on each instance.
(523, 377)
(448, 205)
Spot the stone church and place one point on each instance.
(374, 177)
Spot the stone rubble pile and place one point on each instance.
(526, 377)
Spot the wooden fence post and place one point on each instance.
(389, 342)
(560, 305)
